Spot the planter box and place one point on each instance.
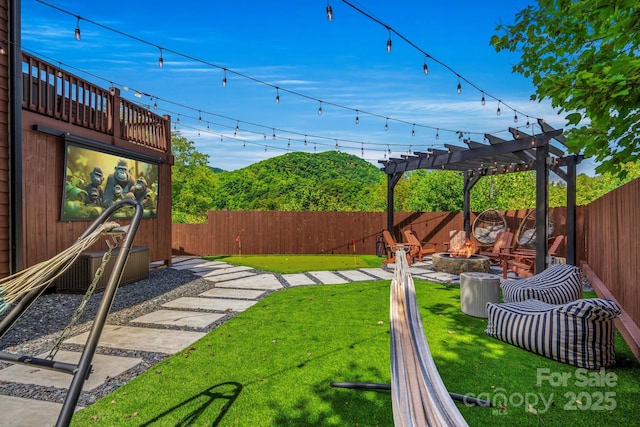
(80, 275)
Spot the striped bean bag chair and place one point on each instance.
(580, 333)
(558, 284)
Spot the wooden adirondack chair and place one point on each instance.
(523, 261)
(418, 250)
(503, 245)
(457, 240)
(391, 245)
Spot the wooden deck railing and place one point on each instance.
(53, 92)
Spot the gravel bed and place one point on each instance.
(42, 324)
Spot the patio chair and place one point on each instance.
(391, 246)
(579, 333)
(503, 245)
(457, 240)
(418, 250)
(523, 261)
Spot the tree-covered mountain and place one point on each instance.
(327, 181)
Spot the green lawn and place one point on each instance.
(300, 263)
(272, 365)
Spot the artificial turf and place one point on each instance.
(272, 365)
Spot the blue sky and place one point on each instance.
(291, 45)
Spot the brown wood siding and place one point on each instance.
(5, 243)
(45, 235)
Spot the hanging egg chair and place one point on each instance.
(526, 235)
(486, 226)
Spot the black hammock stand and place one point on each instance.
(82, 369)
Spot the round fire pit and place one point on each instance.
(444, 262)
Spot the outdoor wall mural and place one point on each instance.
(96, 180)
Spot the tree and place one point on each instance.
(192, 182)
(583, 57)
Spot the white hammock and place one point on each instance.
(418, 395)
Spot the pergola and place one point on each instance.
(524, 152)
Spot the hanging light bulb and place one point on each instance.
(389, 41)
(199, 116)
(437, 134)
(362, 149)
(337, 146)
(483, 101)
(160, 59)
(273, 136)
(386, 124)
(305, 140)
(413, 130)
(329, 12)
(498, 112)
(388, 149)
(425, 67)
(155, 104)
(77, 33)
(320, 109)
(459, 89)
(357, 118)
(224, 79)
(277, 95)
(178, 120)
(515, 117)
(208, 127)
(237, 129)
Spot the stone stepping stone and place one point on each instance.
(228, 276)
(30, 412)
(356, 276)
(103, 367)
(193, 263)
(212, 304)
(144, 339)
(298, 279)
(179, 318)
(232, 293)
(379, 273)
(257, 281)
(215, 270)
(327, 277)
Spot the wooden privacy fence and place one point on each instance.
(273, 232)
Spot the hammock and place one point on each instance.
(419, 397)
(41, 275)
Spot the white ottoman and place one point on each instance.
(476, 290)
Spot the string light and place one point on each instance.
(515, 117)
(273, 136)
(483, 101)
(77, 32)
(389, 29)
(160, 59)
(437, 134)
(413, 130)
(425, 67)
(459, 85)
(329, 12)
(386, 124)
(320, 108)
(277, 95)
(224, 79)
(237, 129)
(389, 41)
(357, 117)
(155, 104)
(498, 112)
